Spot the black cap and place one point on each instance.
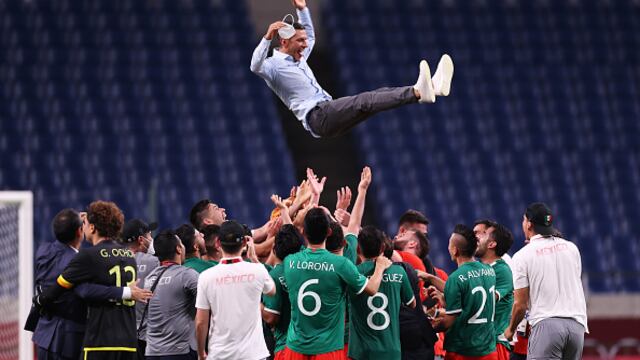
(136, 227)
(541, 217)
(232, 232)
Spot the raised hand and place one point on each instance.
(299, 4)
(285, 217)
(251, 250)
(277, 201)
(316, 186)
(273, 29)
(342, 216)
(344, 198)
(273, 227)
(365, 179)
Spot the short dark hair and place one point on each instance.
(371, 241)
(211, 233)
(196, 215)
(165, 244)
(65, 225)
(468, 249)
(486, 222)
(316, 226)
(335, 241)
(288, 241)
(412, 217)
(232, 248)
(187, 234)
(296, 25)
(503, 238)
(423, 240)
(107, 218)
(388, 246)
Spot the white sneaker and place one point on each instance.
(442, 77)
(425, 84)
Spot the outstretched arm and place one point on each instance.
(258, 64)
(316, 186)
(358, 205)
(304, 16)
(284, 210)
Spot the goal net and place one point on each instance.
(16, 273)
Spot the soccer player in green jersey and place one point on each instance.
(277, 308)
(317, 281)
(375, 325)
(494, 243)
(469, 301)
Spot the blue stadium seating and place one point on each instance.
(146, 103)
(544, 107)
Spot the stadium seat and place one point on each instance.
(543, 107)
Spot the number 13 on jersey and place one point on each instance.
(117, 271)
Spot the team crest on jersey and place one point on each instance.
(142, 268)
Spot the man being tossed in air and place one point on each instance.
(290, 77)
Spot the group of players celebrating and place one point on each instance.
(313, 281)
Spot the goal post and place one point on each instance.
(16, 273)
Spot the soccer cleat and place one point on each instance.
(425, 84)
(442, 77)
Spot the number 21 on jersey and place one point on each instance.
(476, 319)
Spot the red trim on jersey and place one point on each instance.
(168, 263)
(453, 356)
(334, 355)
(230, 261)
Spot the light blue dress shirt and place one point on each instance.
(293, 81)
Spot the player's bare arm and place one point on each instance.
(382, 264)
(202, 329)
(520, 301)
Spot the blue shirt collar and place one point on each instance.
(280, 55)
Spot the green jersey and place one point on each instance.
(351, 249)
(469, 294)
(279, 304)
(212, 262)
(375, 324)
(504, 291)
(318, 281)
(350, 252)
(197, 264)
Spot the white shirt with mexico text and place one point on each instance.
(551, 268)
(232, 292)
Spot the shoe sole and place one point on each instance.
(446, 66)
(429, 96)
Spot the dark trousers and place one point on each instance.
(142, 346)
(515, 356)
(44, 354)
(192, 355)
(336, 117)
(421, 354)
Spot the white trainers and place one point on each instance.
(442, 77)
(425, 84)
